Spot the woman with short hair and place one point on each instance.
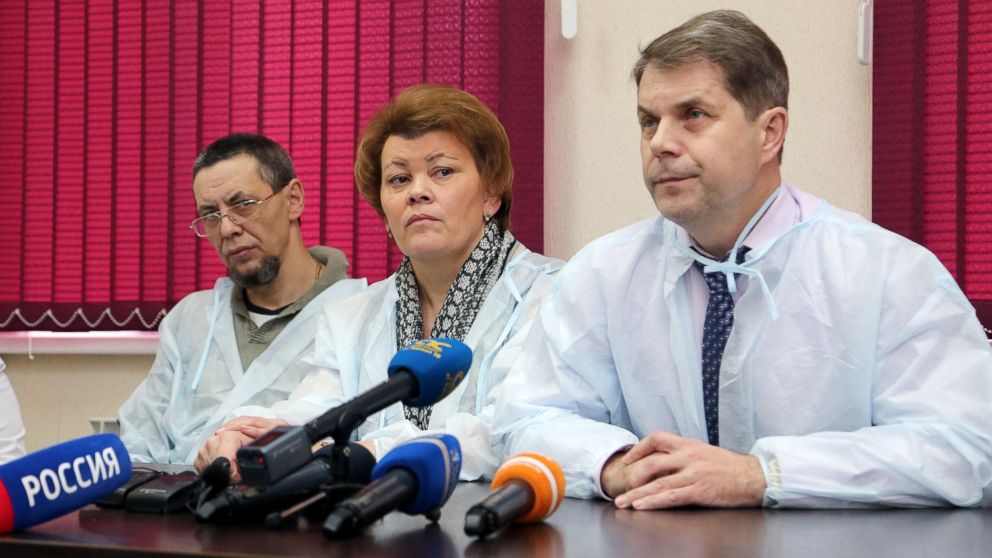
(435, 165)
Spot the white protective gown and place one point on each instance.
(11, 425)
(873, 387)
(165, 420)
(357, 339)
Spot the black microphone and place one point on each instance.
(528, 487)
(244, 504)
(213, 480)
(419, 375)
(217, 475)
(417, 477)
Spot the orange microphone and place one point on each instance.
(527, 488)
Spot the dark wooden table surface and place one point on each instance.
(579, 528)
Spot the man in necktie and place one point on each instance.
(716, 329)
(828, 363)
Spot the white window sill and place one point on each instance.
(79, 343)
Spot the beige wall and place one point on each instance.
(592, 170)
(59, 393)
(592, 162)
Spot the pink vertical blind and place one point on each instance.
(106, 104)
(932, 134)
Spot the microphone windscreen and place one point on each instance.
(435, 461)
(217, 474)
(360, 461)
(55, 481)
(542, 474)
(438, 363)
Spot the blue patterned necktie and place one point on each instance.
(716, 329)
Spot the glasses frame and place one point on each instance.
(235, 219)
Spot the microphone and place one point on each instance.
(243, 503)
(214, 479)
(420, 374)
(527, 488)
(55, 481)
(417, 477)
(217, 475)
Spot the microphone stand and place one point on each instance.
(339, 423)
(339, 427)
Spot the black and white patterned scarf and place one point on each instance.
(464, 299)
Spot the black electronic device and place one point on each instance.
(273, 455)
(139, 476)
(165, 494)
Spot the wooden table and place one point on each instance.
(579, 528)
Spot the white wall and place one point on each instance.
(592, 161)
(592, 165)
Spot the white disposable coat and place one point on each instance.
(11, 425)
(167, 421)
(357, 339)
(874, 386)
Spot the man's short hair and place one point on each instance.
(275, 168)
(753, 67)
(428, 107)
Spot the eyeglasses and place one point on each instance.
(244, 211)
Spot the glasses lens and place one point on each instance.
(245, 211)
(205, 226)
(239, 213)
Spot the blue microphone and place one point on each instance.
(438, 364)
(417, 477)
(420, 374)
(65, 477)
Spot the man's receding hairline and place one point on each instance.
(258, 168)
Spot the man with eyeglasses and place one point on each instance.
(243, 342)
